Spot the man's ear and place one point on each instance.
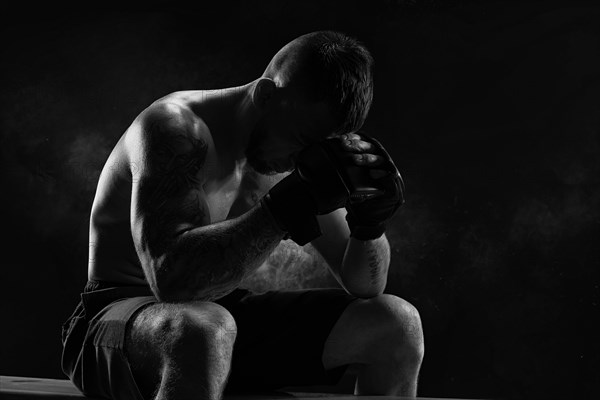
(263, 92)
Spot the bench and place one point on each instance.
(23, 388)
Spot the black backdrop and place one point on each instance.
(492, 111)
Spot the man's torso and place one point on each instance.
(112, 255)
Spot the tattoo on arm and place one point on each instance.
(171, 196)
(365, 266)
(373, 268)
(377, 260)
(192, 258)
(221, 255)
(374, 261)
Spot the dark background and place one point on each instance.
(491, 110)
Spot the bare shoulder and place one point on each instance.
(167, 133)
(169, 121)
(167, 146)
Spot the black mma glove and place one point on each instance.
(368, 219)
(316, 186)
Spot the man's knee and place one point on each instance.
(400, 326)
(195, 330)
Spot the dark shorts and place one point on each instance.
(280, 340)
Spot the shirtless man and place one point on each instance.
(194, 197)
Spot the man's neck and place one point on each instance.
(230, 115)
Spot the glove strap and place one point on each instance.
(364, 232)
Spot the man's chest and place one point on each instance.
(239, 194)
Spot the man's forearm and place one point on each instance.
(365, 267)
(208, 262)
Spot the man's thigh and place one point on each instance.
(93, 353)
(280, 338)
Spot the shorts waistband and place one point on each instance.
(98, 294)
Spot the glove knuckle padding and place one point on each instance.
(368, 219)
(358, 183)
(393, 182)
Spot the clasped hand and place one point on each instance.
(369, 215)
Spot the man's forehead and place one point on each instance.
(310, 113)
(297, 98)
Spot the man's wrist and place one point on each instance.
(362, 232)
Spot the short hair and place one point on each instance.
(334, 68)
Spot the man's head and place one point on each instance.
(318, 85)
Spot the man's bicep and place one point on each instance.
(167, 196)
(158, 218)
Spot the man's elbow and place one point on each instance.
(174, 288)
(365, 294)
(165, 282)
(364, 290)
(182, 293)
